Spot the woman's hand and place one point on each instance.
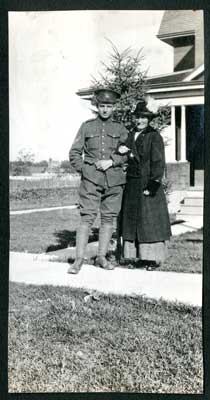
(152, 188)
(122, 149)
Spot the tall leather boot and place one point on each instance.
(81, 243)
(105, 234)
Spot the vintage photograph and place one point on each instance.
(106, 116)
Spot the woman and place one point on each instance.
(145, 218)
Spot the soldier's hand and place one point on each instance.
(103, 165)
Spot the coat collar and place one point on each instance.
(138, 143)
(133, 146)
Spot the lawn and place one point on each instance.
(59, 341)
(45, 231)
(25, 199)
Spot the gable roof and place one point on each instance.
(167, 78)
(194, 76)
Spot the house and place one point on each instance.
(183, 91)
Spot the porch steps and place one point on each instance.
(192, 204)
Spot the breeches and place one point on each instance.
(94, 198)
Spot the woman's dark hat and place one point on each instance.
(141, 110)
(108, 96)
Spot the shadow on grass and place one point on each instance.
(132, 263)
(194, 237)
(66, 238)
(177, 221)
(194, 240)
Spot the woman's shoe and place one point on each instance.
(140, 264)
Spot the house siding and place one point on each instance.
(177, 21)
(199, 39)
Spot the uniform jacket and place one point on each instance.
(145, 218)
(97, 140)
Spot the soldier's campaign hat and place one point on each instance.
(141, 110)
(105, 95)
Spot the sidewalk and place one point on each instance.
(171, 286)
(34, 210)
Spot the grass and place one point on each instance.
(18, 184)
(60, 342)
(43, 197)
(185, 253)
(52, 230)
(44, 231)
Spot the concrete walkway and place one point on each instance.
(171, 286)
(35, 210)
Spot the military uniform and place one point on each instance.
(101, 187)
(98, 139)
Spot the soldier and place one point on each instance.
(93, 154)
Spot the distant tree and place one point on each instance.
(42, 164)
(24, 161)
(66, 167)
(19, 168)
(26, 156)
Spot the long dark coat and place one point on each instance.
(145, 218)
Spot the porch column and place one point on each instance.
(183, 134)
(173, 135)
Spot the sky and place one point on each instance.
(53, 54)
